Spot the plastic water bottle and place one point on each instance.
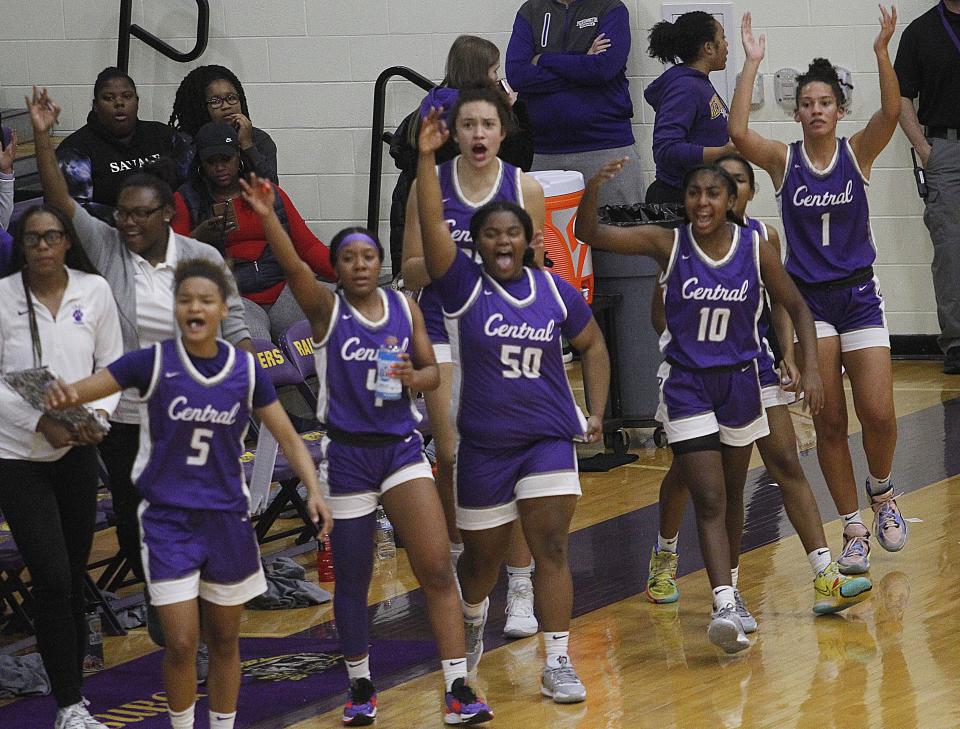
(388, 388)
(386, 546)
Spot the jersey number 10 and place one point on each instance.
(713, 324)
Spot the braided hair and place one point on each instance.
(190, 104)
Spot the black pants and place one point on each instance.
(51, 508)
(661, 192)
(119, 451)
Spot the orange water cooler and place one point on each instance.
(572, 259)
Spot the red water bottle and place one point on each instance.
(325, 560)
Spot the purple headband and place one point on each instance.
(361, 237)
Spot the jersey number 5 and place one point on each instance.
(713, 324)
(520, 361)
(201, 447)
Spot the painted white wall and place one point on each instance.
(308, 67)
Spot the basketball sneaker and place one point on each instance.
(888, 523)
(662, 580)
(561, 683)
(76, 716)
(855, 557)
(833, 592)
(748, 622)
(521, 621)
(463, 706)
(473, 637)
(726, 630)
(361, 706)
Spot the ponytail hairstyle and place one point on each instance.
(682, 41)
(203, 268)
(820, 69)
(725, 177)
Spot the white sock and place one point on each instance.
(520, 571)
(556, 646)
(820, 559)
(219, 720)
(358, 669)
(667, 545)
(453, 669)
(518, 577)
(852, 518)
(734, 576)
(878, 486)
(182, 719)
(723, 597)
(472, 612)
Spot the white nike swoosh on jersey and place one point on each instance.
(745, 368)
(685, 256)
(346, 316)
(864, 287)
(446, 200)
(168, 375)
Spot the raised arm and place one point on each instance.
(641, 240)
(870, 141)
(439, 250)
(769, 154)
(414, 266)
(43, 115)
(316, 300)
(784, 292)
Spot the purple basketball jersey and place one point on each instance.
(826, 219)
(763, 323)
(346, 362)
(711, 306)
(191, 437)
(458, 211)
(509, 381)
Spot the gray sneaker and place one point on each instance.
(855, 557)
(473, 637)
(726, 630)
(748, 622)
(562, 683)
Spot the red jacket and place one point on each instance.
(247, 242)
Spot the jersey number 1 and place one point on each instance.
(201, 447)
(825, 228)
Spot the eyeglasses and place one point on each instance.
(52, 237)
(139, 215)
(215, 102)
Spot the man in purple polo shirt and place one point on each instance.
(567, 59)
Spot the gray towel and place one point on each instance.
(287, 588)
(23, 676)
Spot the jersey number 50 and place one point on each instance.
(713, 324)
(520, 361)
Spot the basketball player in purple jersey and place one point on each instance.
(477, 176)
(198, 543)
(372, 452)
(515, 413)
(821, 188)
(710, 400)
(832, 591)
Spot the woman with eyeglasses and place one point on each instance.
(138, 259)
(214, 93)
(54, 312)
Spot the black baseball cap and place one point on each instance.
(216, 138)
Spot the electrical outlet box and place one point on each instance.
(785, 87)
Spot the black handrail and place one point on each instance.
(127, 29)
(377, 138)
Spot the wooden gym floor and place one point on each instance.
(892, 661)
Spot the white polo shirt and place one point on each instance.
(155, 318)
(83, 337)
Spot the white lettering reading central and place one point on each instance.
(494, 327)
(692, 290)
(458, 234)
(351, 351)
(178, 410)
(826, 198)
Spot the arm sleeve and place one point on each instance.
(674, 120)
(456, 285)
(578, 310)
(262, 156)
(907, 64)
(583, 69)
(108, 346)
(6, 199)
(523, 75)
(264, 392)
(310, 248)
(181, 222)
(134, 369)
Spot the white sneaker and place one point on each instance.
(76, 716)
(726, 630)
(521, 621)
(748, 622)
(473, 637)
(562, 684)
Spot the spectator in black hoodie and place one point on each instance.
(113, 144)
